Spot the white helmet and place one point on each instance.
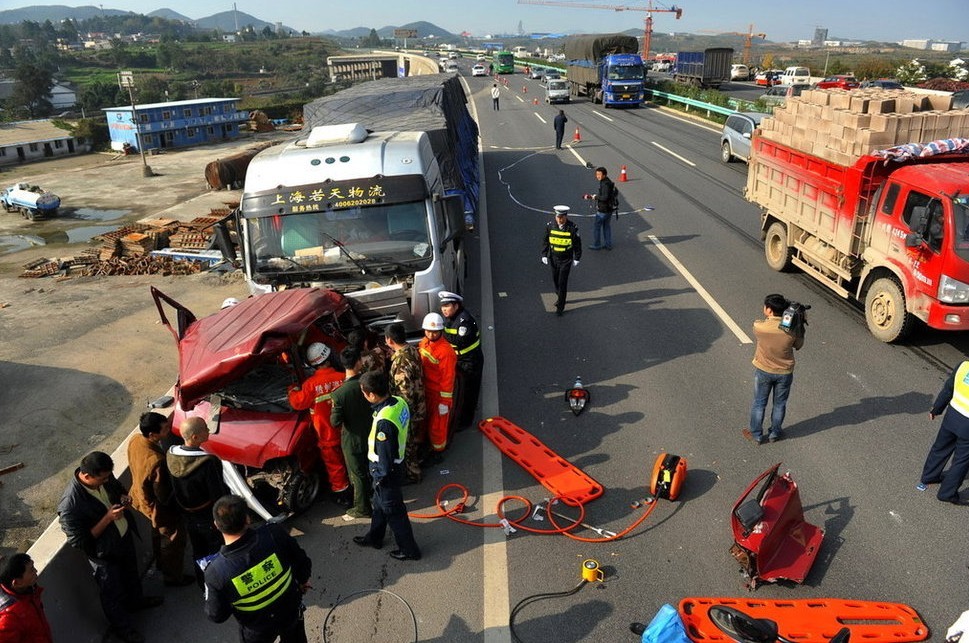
(433, 321)
(230, 301)
(317, 353)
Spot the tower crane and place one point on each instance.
(650, 9)
(748, 38)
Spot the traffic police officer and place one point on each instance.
(259, 576)
(562, 250)
(952, 440)
(386, 446)
(461, 331)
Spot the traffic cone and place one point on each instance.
(534, 101)
(578, 137)
(524, 89)
(622, 175)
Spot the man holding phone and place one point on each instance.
(94, 515)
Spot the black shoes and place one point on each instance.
(400, 555)
(363, 541)
(956, 500)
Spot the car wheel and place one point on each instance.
(725, 154)
(301, 491)
(885, 311)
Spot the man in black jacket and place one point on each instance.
(197, 483)
(562, 250)
(93, 513)
(259, 576)
(605, 199)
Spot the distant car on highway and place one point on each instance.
(838, 81)
(479, 70)
(960, 99)
(739, 72)
(551, 75)
(451, 68)
(480, 57)
(534, 73)
(779, 94)
(768, 78)
(883, 83)
(735, 138)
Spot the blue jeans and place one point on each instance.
(602, 230)
(764, 383)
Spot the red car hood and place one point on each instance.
(218, 349)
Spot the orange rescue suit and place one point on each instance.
(440, 365)
(314, 395)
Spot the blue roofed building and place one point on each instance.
(181, 123)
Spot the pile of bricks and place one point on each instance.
(843, 125)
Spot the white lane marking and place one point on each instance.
(689, 121)
(539, 117)
(601, 115)
(711, 302)
(672, 153)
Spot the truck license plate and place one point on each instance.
(626, 96)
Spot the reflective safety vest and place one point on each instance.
(260, 585)
(960, 390)
(560, 240)
(397, 414)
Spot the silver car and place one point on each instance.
(735, 139)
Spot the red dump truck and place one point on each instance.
(892, 233)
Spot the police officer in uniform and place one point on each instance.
(562, 250)
(259, 576)
(461, 331)
(386, 445)
(952, 440)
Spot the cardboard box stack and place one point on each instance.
(842, 125)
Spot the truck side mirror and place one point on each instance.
(919, 220)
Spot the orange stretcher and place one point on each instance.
(811, 620)
(555, 473)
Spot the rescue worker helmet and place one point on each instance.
(317, 353)
(229, 302)
(433, 321)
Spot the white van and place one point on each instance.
(795, 76)
(557, 91)
(739, 72)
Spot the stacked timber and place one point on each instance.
(842, 125)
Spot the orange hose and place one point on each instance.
(517, 523)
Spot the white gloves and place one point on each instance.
(955, 632)
(575, 262)
(545, 260)
(442, 409)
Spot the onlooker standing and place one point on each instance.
(151, 494)
(439, 362)
(93, 514)
(559, 124)
(388, 435)
(952, 441)
(407, 382)
(773, 369)
(259, 576)
(314, 394)
(562, 250)
(605, 198)
(22, 617)
(461, 331)
(353, 415)
(197, 483)
(495, 95)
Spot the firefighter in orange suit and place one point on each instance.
(314, 394)
(440, 365)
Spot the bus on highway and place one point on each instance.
(504, 63)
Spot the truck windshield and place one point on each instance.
(625, 72)
(382, 238)
(960, 213)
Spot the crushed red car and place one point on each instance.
(234, 370)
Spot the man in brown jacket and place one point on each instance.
(773, 369)
(151, 491)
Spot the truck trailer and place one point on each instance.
(370, 201)
(707, 68)
(606, 68)
(873, 220)
(30, 201)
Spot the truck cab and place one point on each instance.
(362, 213)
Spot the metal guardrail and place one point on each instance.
(735, 105)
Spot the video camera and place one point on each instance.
(794, 319)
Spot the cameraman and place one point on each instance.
(773, 367)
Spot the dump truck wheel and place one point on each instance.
(776, 249)
(885, 311)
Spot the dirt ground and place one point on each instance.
(80, 358)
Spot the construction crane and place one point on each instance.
(649, 9)
(748, 38)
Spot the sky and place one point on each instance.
(780, 20)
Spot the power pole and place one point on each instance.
(126, 79)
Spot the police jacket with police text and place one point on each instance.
(385, 451)
(463, 334)
(257, 578)
(562, 243)
(955, 395)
